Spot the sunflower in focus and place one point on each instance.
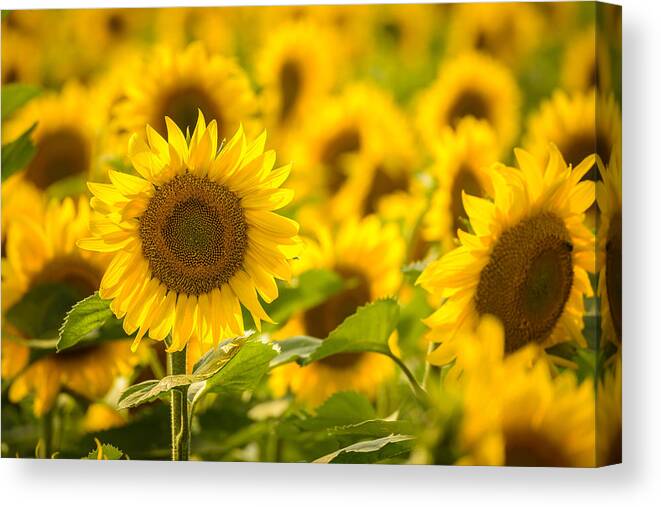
(508, 32)
(472, 84)
(578, 124)
(42, 251)
(586, 64)
(525, 260)
(368, 256)
(609, 416)
(178, 84)
(194, 237)
(461, 165)
(515, 413)
(296, 67)
(609, 248)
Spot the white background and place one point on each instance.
(637, 482)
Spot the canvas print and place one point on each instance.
(325, 234)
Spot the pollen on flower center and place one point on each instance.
(528, 279)
(194, 234)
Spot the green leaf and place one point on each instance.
(297, 348)
(17, 154)
(367, 330)
(373, 428)
(371, 451)
(40, 312)
(15, 96)
(84, 318)
(342, 409)
(105, 452)
(150, 390)
(312, 288)
(67, 187)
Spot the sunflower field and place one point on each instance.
(331, 234)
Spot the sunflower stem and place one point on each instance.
(179, 412)
(46, 447)
(420, 393)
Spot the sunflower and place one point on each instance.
(370, 255)
(515, 413)
(178, 27)
(64, 137)
(296, 67)
(609, 416)
(461, 165)
(609, 248)
(507, 31)
(353, 131)
(16, 68)
(193, 236)
(586, 63)
(472, 84)
(578, 124)
(42, 251)
(405, 29)
(525, 261)
(178, 84)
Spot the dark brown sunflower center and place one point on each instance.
(116, 25)
(11, 75)
(614, 272)
(325, 317)
(528, 448)
(528, 279)
(583, 145)
(465, 181)
(343, 143)
(468, 103)
(60, 154)
(194, 234)
(384, 183)
(74, 272)
(181, 106)
(291, 82)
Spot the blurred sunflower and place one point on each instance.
(368, 256)
(609, 416)
(297, 66)
(405, 30)
(471, 84)
(178, 27)
(571, 123)
(508, 32)
(515, 413)
(16, 68)
(64, 138)
(609, 248)
(525, 261)
(178, 84)
(586, 63)
(194, 236)
(462, 162)
(43, 251)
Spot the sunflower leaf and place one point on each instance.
(105, 452)
(297, 348)
(371, 451)
(341, 409)
(18, 153)
(15, 96)
(367, 330)
(84, 318)
(150, 390)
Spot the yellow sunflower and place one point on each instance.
(472, 84)
(515, 413)
(64, 137)
(507, 31)
(178, 84)
(578, 124)
(194, 236)
(586, 63)
(525, 260)
(40, 251)
(296, 67)
(405, 29)
(609, 416)
(462, 162)
(609, 248)
(370, 255)
(16, 68)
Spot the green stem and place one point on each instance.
(419, 392)
(46, 448)
(179, 418)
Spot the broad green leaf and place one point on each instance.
(84, 318)
(373, 428)
(312, 288)
(371, 451)
(105, 452)
(41, 311)
(211, 362)
(17, 154)
(15, 96)
(297, 348)
(341, 409)
(150, 390)
(367, 330)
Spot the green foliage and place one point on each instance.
(105, 452)
(16, 95)
(296, 349)
(67, 187)
(84, 320)
(370, 451)
(18, 153)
